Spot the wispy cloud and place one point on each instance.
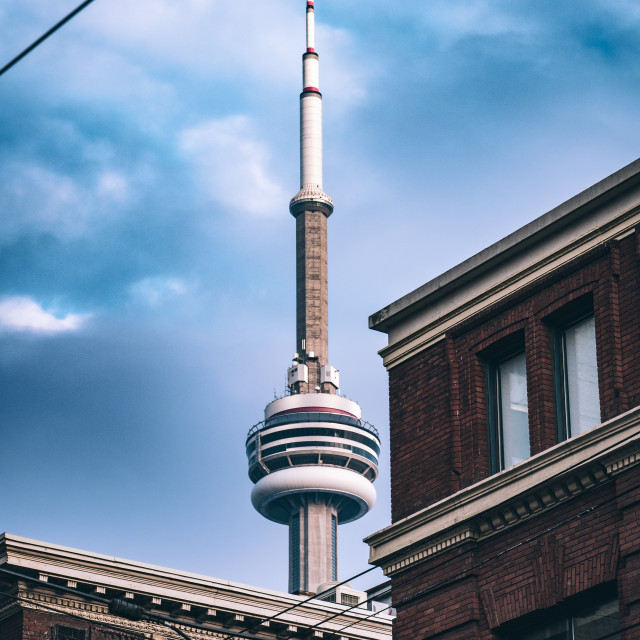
(204, 36)
(21, 314)
(38, 198)
(154, 291)
(233, 165)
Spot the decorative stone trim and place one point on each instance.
(621, 464)
(432, 548)
(98, 613)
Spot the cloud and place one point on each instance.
(233, 165)
(455, 20)
(38, 198)
(154, 291)
(204, 36)
(19, 314)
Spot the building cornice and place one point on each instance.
(193, 595)
(606, 211)
(501, 501)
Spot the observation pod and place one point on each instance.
(313, 461)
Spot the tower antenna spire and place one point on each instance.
(313, 459)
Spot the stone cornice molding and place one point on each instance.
(423, 331)
(503, 500)
(98, 613)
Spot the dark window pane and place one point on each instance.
(68, 633)
(599, 622)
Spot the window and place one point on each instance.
(508, 411)
(349, 600)
(592, 623)
(60, 632)
(577, 397)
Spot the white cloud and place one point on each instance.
(24, 314)
(233, 165)
(154, 291)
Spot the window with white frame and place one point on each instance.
(508, 411)
(577, 394)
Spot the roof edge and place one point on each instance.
(530, 233)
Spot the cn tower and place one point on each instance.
(313, 459)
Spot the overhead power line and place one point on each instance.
(44, 36)
(317, 596)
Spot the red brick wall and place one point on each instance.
(438, 406)
(421, 440)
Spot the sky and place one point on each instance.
(147, 269)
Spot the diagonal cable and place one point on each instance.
(44, 36)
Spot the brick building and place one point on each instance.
(514, 390)
(50, 592)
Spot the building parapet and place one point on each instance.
(67, 579)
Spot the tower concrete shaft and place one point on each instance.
(312, 296)
(313, 543)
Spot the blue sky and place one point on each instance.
(149, 151)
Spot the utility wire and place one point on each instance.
(340, 613)
(131, 611)
(299, 604)
(609, 636)
(43, 37)
(371, 615)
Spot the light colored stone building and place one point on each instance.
(50, 592)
